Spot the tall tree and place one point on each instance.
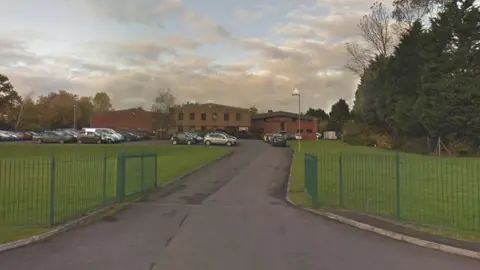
(253, 110)
(102, 102)
(164, 102)
(319, 113)
(25, 105)
(8, 96)
(339, 114)
(377, 39)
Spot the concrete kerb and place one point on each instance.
(116, 207)
(397, 236)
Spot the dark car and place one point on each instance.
(278, 140)
(183, 138)
(129, 137)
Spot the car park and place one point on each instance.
(217, 138)
(278, 140)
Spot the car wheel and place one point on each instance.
(189, 142)
(174, 142)
(229, 143)
(208, 142)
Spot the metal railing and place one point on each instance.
(45, 191)
(440, 192)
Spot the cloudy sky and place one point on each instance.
(242, 53)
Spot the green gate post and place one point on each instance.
(120, 177)
(315, 200)
(105, 179)
(156, 172)
(51, 220)
(305, 171)
(340, 180)
(142, 173)
(397, 195)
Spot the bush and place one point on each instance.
(357, 134)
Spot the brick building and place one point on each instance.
(274, 122)
(130, 120)
(210, 116)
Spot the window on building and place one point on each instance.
(310, 131)
(192, 116)
(180, 116)
(214, 116)
(300, 130)
(180, 129)
(226, 117)
(204, 128)
(204, 116)
(238, 116)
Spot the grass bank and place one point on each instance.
(439, 192)
(41, 184)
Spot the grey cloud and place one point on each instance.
(149, 12)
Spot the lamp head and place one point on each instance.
(295, 92)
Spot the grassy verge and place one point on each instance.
(439, 192)
(84, 178)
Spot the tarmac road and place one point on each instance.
(230, 215)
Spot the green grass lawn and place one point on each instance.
(84, 178)
(441, 192)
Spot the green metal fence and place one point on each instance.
(442, 192)
(45, 191)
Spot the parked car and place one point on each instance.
(221, 139)
(55, 137)
(290, 137)
(129, 137)
(195, 136)
(278, 140)
(5, 136)
(94, 137)
(266, 137)
(183, 138)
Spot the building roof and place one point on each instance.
(281, 114)
(209, 105)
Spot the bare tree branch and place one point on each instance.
(26, 98)
(409, 11)
(378, 39)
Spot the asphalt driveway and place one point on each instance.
(230, 215)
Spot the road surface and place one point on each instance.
(230, 215)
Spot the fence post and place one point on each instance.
(397, 189)
(120, 177)
(305, 172)
(340, 180)
(156, 171)
(105, 179)
(142, 173)
(51, 220)
(315, 200)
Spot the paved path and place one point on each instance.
(228, 216)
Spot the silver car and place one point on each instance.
(215, 138)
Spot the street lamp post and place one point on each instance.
(74, 116)
(297, 93)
